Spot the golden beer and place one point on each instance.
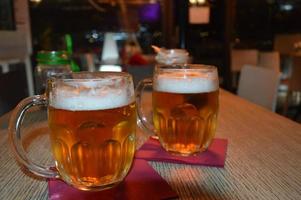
(185, 106)
(92, 121)
(93, 147)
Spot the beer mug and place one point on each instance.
(185, 106)
(92, 121)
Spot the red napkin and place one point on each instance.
(141, 183)
(213, 156)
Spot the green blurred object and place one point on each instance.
(53, 57)
(73, 65)
(50, 63)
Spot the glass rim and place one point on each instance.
(84, 76)
(174, 51)
(176, 67)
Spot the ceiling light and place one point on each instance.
(36, 1)
(286, 7)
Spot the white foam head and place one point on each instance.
(88, 96)
(186, 82)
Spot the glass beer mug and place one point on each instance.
(185, 106)
(92, 121)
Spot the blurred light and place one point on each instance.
(286, 7)
(109, 49)
(110, 68)
(36, 1)
(199, 15)
(201, 1)
(197, 2)
(149, 12)
(95, 35)
(120, 36)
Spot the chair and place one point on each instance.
(14, 49)
(270, 60)
(239, 58)
(259, 85)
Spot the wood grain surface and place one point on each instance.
(263, 159)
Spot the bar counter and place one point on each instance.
(263, 158)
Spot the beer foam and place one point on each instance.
(192, 82)
(89, 99)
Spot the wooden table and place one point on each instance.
(263, 160)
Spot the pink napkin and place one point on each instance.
(214, 156)
(141, 183)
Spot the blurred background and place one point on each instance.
(208, 29)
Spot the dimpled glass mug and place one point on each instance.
(185, 106)
(92, 121)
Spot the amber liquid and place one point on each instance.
(93, 150)
(185, 123)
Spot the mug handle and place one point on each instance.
(142, 121)
(15, 123)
